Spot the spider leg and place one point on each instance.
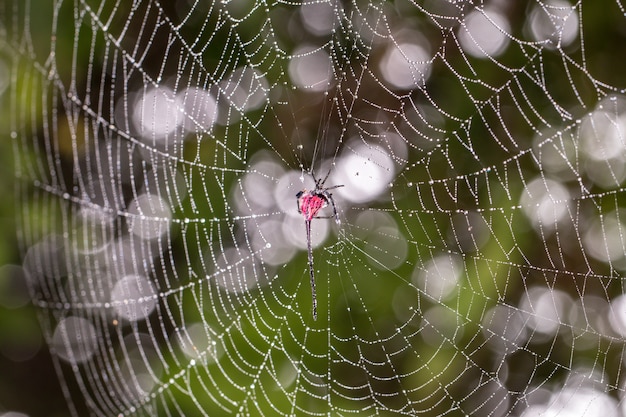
(332, 203)
(311, 270)
(333, 187)
(298, 195)
(325, 178)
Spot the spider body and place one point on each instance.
(309, 205)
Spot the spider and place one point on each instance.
(310, 202)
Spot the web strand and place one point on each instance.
(476, 259)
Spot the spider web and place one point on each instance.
(477, 268)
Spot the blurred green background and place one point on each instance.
(28, 382)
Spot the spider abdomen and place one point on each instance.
(309, 203)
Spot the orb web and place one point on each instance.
(478, 265)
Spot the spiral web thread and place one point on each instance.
(477, 268)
